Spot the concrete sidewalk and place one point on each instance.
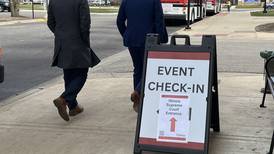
(29, 123)
(233, 26)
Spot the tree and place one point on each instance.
(14, 8)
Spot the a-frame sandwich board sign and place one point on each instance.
(178, 86)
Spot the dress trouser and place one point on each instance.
(137, 55)
(74, 82)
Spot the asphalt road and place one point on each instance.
(28, 50)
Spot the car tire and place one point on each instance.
(1, 9)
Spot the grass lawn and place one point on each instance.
(29, 7)
(248, 6)
(260, 13)
(103, 9)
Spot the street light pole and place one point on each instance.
(264, 7)
(201, 9)
(32, 8)
(188, 15)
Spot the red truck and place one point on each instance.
(213, 6)
(178, 9)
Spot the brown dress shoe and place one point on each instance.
(61, 105)
(77, 110)
(135, 98)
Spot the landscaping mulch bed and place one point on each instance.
(265, 28)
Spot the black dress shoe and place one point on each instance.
(77, 110)
(61, 106)
(267, 91)
(135, 98)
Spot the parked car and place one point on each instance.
(98, 2)
(4, 5)
(270, 5)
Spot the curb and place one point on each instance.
(59, 79)
(44, 11)
(40, 20)
(104, 13)
(22, 21)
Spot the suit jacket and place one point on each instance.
(137, 18)
(69, 20)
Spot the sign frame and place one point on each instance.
(208, 45)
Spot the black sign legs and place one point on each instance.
(215, 121)
(137, 150)
(215, 100)
(210, 40)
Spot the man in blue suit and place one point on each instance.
(137, 18)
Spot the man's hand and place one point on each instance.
(1, 52)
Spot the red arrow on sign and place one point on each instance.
(173, 124)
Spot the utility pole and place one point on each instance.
(32, 8)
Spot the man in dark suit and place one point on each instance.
(69, 20)
(137, 18)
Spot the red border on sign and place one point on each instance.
(189, 145)
(179, 55)
(174, 96)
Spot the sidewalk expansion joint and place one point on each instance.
(67, 129)
(234, 96)
(241, 137)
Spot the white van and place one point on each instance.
(99, 2)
